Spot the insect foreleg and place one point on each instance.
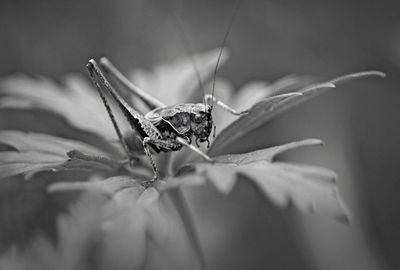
(149, 100)
(209, 99)
(194, 149)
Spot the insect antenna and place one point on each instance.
(188, 51)
(222, 49)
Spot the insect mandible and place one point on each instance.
(164, 128)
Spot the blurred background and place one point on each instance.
(269, 39)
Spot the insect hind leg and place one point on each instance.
(100, 80)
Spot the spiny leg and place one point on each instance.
(194, 149)
(146, 142)
(149, 133)
(166, 145)
(209, 98)
(94, 70)
(163, 144)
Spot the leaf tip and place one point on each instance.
(345, 216)
(344, 219)
(357, 75)
(382, 74)
(369, 73)
(77, 187)
(377, 73)
(328, 85)
(315, 141)
(290, 94)
(64, 186)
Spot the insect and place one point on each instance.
(164, 128)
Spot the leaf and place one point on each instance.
(267, 154)
(125, 190)
(259, 113)
(251, 93)
(137, 216)
(78, 232)
(245, 98)
(76, 101)
(176, 82)
(39, 152)
(100, 232)
(108, 186)
(269, 108)
(308, 188)
(292, 83)
(20, 204)
(181, 205)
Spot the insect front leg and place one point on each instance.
(194, 149)
(209, 99)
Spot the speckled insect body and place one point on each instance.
(184, 120)
(164, 128)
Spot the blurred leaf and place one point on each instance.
(113, 185)
(78, 233)
(292, 83)
(245, 98)
(269, 108)
(267, 154)
(308, 188)
(76, 101)
(137, 216)
(99, 232)
(125, 190)
(259, 113)
(21, 203)
(251, 93)
(108, 186)
(40, 152)
(176, 82)
(184, 212)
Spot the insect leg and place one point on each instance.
(163, 144)
(146, 142)
(149, 100)
(194, 149)
(209, 99)
(147, 131)
(92, 73)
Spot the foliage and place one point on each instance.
(115, 217)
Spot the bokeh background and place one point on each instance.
(269, 39)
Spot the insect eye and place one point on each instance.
(198, 118)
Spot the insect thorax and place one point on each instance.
(183, 120)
